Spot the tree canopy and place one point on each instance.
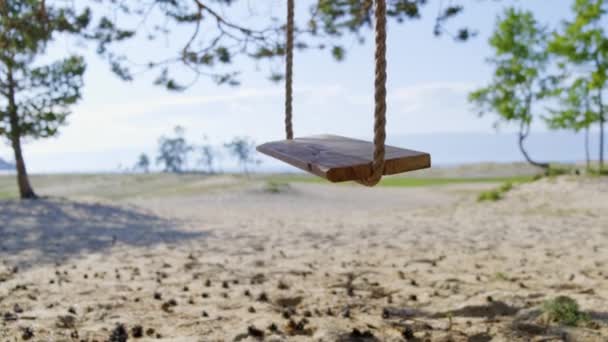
(216, 37)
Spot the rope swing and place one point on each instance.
(289, 71)
(338, 158)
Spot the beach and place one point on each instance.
(224, 258)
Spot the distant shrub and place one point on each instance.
(554, 171)
(506, 187)
(490, 196)
(495, 194)
(564, 310)
(598, 172)
(275, 187)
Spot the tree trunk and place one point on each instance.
(524, 131)
(602, 120)
(602, 124)
(587, 154)
(25, 189)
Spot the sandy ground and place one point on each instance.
(227, 260)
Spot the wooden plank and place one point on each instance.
(340, 159)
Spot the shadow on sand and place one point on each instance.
(53, 230)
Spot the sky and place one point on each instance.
(428, 82)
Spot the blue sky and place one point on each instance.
(429, 79)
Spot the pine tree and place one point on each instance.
(34, 99)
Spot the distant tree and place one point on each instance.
(35, 98)
(243, 149)
(173, 151)
(143, 163)
(207, 155)
(582, 46)
(521, 57)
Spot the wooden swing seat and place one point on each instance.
(340, 159)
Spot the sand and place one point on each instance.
(228, 260)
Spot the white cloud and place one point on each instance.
(244, 111)
(435, 107)
(415, 92)
(255, 112)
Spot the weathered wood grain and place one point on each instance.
(340, 159)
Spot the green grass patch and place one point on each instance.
(490, 196)
(498, 193)
(557, 170)
(273, 187)
(406, 182)
(501, 276)
(564, 310)
(416, 182)
(5, 195)
(495, 194)
(506, 187)
(597, 172)
(295, 178)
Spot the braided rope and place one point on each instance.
(379, 97)
(289, 71)
(377, 166)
